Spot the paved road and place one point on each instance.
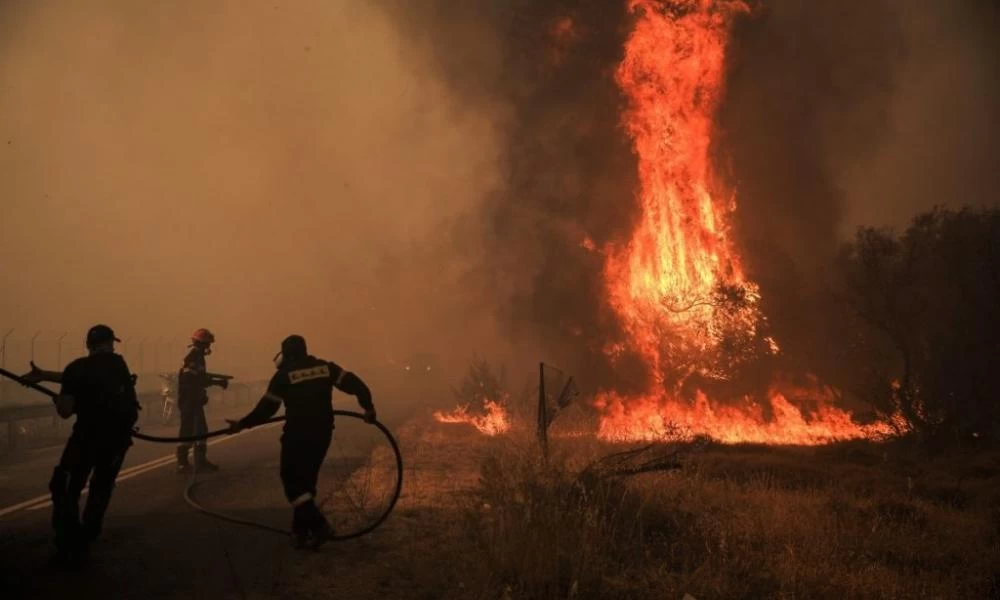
(155, 545)
(25, 474)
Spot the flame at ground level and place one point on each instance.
(495, 421)
(653, 418)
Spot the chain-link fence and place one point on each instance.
(22, 423)
(147, 355)
(32, 423)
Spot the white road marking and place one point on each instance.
(41, 502)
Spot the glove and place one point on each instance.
(234, 426)
(64, 406)
(34, 375)
(370, 415)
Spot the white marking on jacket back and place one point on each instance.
(300, 375)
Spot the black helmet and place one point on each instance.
(294, 346)
(99, 335)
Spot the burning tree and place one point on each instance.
(678, 286)
(646, 295)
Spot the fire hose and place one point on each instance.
(188, 491)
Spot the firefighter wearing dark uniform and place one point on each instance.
(305, 385)
(100, 391)
(193, 382)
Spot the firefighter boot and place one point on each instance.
(319, 528)
(321, 535)
(300, 529)
(183, 466)
(201, 463)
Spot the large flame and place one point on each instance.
(678, 287)
(494, 421)
(671, 280)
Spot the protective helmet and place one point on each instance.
(203, 336)
(293, 346)
(100, 334)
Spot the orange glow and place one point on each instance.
(495, 421)
(678, 287)
(804, 416)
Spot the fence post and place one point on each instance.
(33, 338)
(59, 343)
(170, 350)
(142, 353)
(3, 360)
(543, 440)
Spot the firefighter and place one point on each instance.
(305, 385)
(193, 382)
(100, 390)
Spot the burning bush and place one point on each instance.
(484, 400)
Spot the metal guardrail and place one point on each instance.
(238, 394)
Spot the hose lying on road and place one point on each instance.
(192, 438)
(197, 438)
(189, 491)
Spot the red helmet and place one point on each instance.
(203, 336)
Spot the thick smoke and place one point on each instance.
(846, 114)
(943, 132)
(828, 113)
(569, 171)
(257, 168)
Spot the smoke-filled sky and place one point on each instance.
(370, 174)
(257, 168)
(942, 128)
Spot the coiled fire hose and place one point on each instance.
(188, 496)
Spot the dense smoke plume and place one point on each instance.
(821, 96)
(569, 171)
(847, 114)
(257, 168)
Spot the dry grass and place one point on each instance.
(484, 519)
(853, 521)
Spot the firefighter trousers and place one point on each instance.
(301, 459)
(193, 422)
(95, 457)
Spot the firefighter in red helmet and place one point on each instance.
(193, 382)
